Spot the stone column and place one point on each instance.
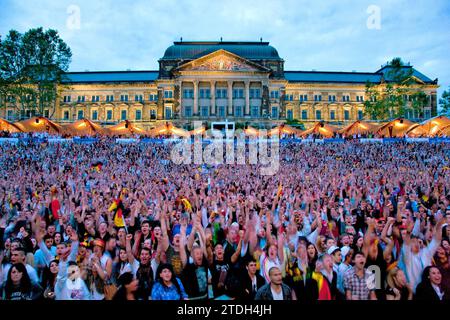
(181, 110)
(195, 98)
(230, 97)
(247, 98)
(213, 110)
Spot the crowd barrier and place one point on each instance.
(208, 141)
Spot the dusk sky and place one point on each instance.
(342, 35)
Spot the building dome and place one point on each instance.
(247, 50)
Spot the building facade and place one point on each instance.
(218, 81)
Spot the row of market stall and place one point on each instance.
(400, 127)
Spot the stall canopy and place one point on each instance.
(197, 131)
(444, 132)
(83, 127)
(169, 129)
(322, 129)
(395, 128)
(8, 126)
(126, 128)
(284, 129)
(278, 130)
(358, 127)
(39, 124)
(430, 127)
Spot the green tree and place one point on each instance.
(32, 66)
(444, 102)
(397, 95)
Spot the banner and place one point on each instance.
(334, 140)
(59, 140)
(126, 140)
(417, 139)
(371, 140)
(84, 140)
(9, 140)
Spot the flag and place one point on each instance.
(118, 208)
(186, 204)
(97, 166)
(54, 208)
(280, 190)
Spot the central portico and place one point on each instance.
(221, 84)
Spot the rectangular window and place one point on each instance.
(257, 93)
(274, 94)
(275, 112)
(255, 111)
(317, 97)
(360, 114)
(202, 94)
(110, 98)
(168, 94)
(108, 114)
(208, 93)
(332, 115)
(290, 115)
(318, 114)
(94, 115)
(332, 98)
(80, 114)
(123, 115)
(188, 93)
(304, 114)
(168, 112)
(66, 115)
(205, 110)
(235, 94)
(224, 93)
(346, 115)
(138, 97)
(427, 113)
(152, 114)
(81, 99)
(188, 111)
(138, 115)
(252, 93)
(238, 111)
(221, 111)
(124, 98)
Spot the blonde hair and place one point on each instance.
(390, 279)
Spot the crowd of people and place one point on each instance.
(102, 221)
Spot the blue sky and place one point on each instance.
(321, 35)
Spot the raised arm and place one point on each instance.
(130, 255)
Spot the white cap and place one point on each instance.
(344, 251)
(333, 249)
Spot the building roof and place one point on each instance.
(248, 50)
(385, 70)
(332, 76)
(110, 76)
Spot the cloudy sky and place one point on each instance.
(341, 35)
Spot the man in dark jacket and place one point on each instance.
(275, 289)
(251, 281)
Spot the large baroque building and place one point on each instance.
(217, 81)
